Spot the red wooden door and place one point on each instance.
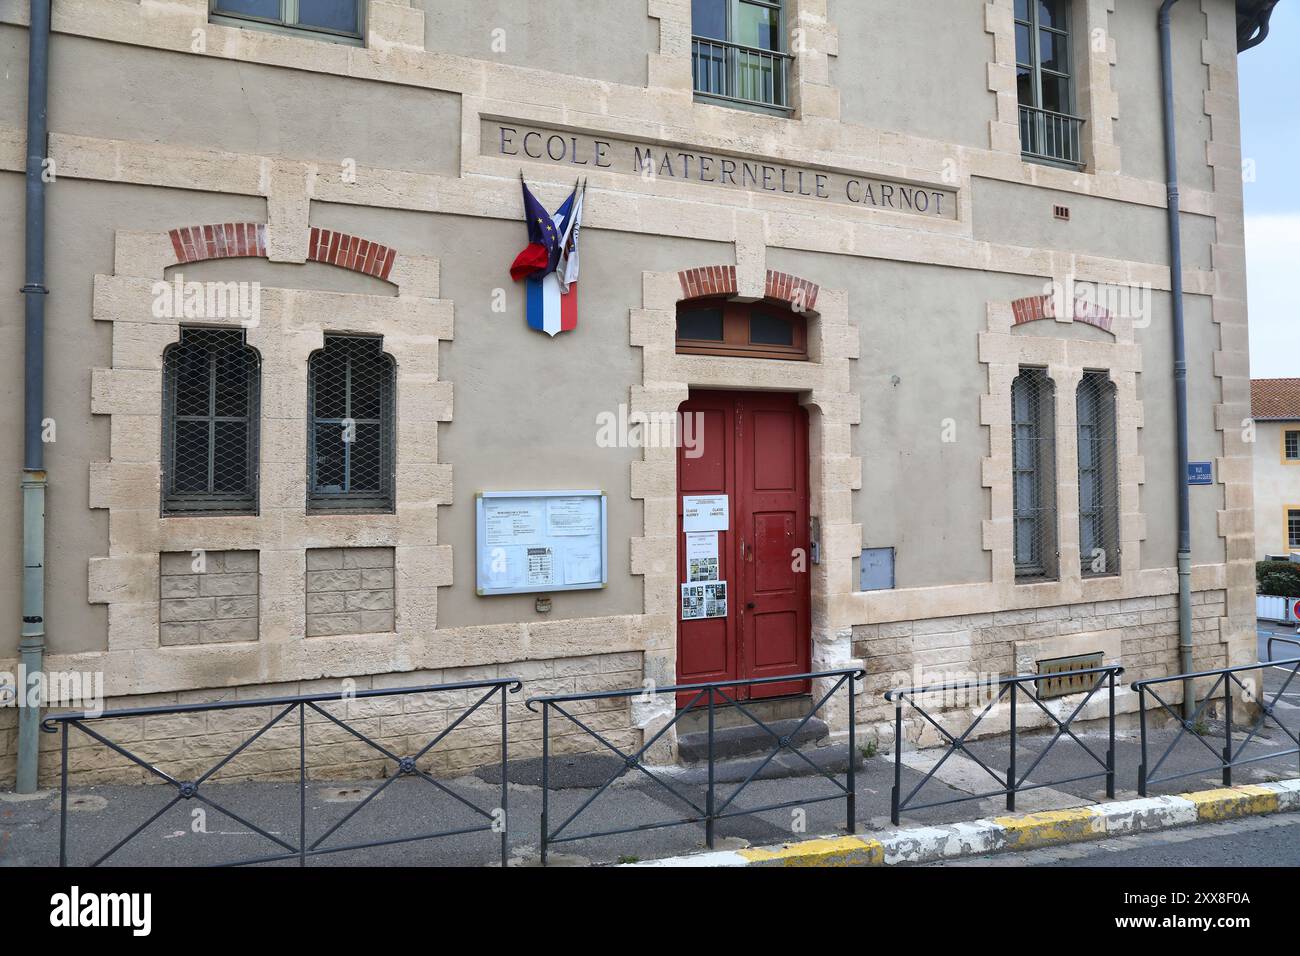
(752, 447)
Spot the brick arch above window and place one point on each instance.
(232, 240)
(712, 281)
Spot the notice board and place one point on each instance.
(535, 541)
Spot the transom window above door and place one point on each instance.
(738, 54)
(339, 20)
(1049, 129)
(747, 329)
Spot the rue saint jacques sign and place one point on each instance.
(520, 141)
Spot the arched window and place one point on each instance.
(755, 329)
(1098, 476)
(1033, 453)
(211, 381)
(350, 386)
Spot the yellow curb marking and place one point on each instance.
(838, 851)
(1229, 802)
(1051, 826)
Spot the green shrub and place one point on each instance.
(1277, 578)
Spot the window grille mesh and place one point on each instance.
(1033, 422)
(350, 406)
(1098, 476)
(210, 412)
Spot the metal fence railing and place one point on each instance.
(1055, 137)
(1226, 683)
(744, 74)
(1001, 690)
(284, 711)
(717, 806)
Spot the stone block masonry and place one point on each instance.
(350, 591)
(207, 598)
(187, 745)
(1141, 633)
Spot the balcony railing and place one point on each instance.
(1051, 137)
(741, 74)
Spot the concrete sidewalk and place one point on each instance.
(101, 816)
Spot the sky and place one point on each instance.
(1269, 77)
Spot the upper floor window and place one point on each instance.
(211, 383)
(738, 52)
(752, 329)
(1293, 528)
(1049, 129)
(1033, 454)
(342, 20)
(350, 385)
(1291, 445)
(1098, 476)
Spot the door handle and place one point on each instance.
(749, 605)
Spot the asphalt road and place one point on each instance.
(1253, 841)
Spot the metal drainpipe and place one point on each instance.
(1180, 363)
(32, 644)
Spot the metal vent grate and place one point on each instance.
(210, 402)
(350, 396)
(1062, 677)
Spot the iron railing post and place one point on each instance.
(302, 784)
(1227, 732)
(1142, 733)
(708, 816)
(895, 794)
(63, 800)
(1011, 769)
(851, 825)
(1110, 752)
(546, 773)
(505, 789)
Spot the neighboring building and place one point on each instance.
(829, 227)
(1275, 408)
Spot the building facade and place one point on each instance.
(1275, 410)
(905, 264)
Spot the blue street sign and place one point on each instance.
(1200, 472)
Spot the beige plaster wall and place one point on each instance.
(1277, 486)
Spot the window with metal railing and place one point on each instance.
(350, 409)
(1098, 476)
(738, 55)
(1049, 129)
(211, 384)
(1033, 453)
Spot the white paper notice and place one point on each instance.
(701, 601)
(541, 567)
(702, 556)
(705, 513)
(509, 524)
(577, 517)
(505, 567)
(582, 563)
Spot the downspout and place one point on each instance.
(1180, 364)
(32, 644)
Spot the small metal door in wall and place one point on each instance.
(751, 447)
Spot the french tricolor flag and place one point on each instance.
(549, 264)
(549, 309)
